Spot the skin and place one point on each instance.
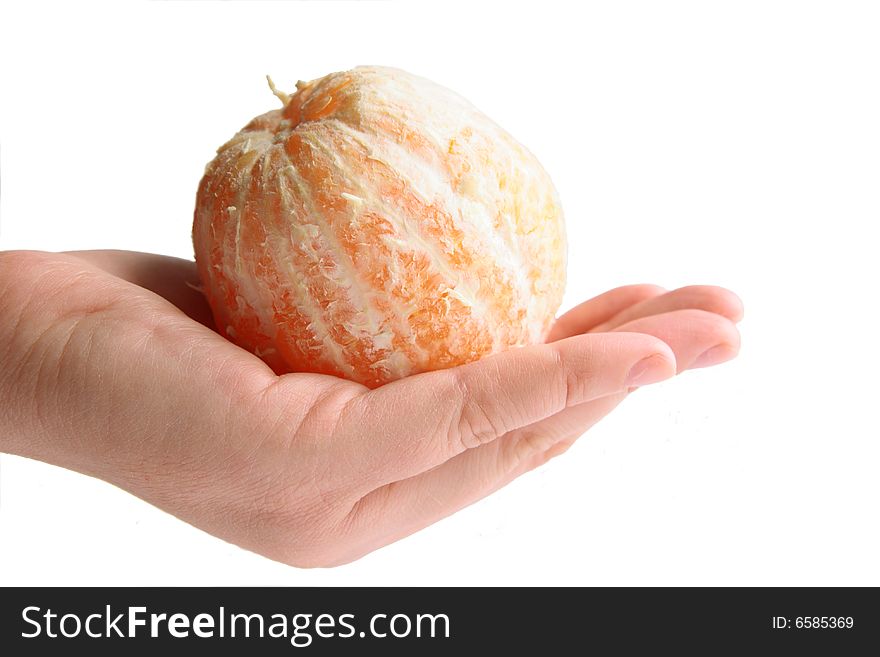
(111, 368)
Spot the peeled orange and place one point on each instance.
(377, 226)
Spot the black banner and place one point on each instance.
(277, 621)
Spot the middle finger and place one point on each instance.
(709, 298)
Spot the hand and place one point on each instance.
(111, 368)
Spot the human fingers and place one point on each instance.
(710, 298)
(585, 316)
(704, 332)
(697, 337)
(403, 507)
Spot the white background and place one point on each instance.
(728, 143)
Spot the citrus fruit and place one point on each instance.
(377, 226)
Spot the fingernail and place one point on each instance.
(717, 354)
(648, 370)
